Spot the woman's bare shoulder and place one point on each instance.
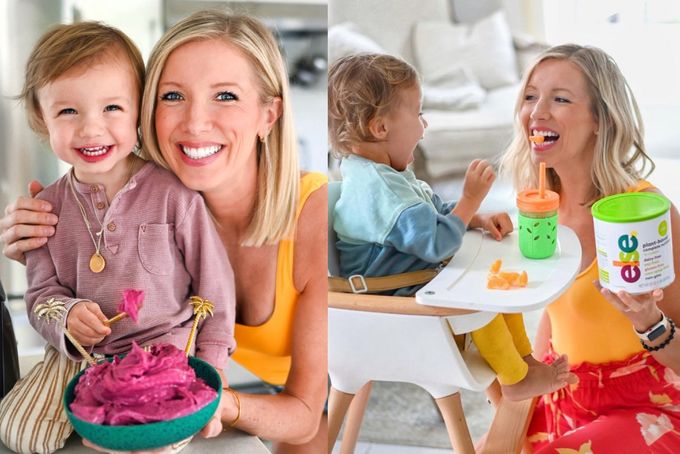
(311, 237)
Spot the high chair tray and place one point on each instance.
(462, 283)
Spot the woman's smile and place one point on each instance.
(199, 154)
(548, 138)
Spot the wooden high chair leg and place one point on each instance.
(354, 418)
(456, 426)
(509, 427)
(494, 393)
(338, 402)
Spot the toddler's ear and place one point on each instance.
(378, 127)
(37, 123)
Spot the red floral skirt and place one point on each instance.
(630, 406)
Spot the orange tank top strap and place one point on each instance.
(265, 349)
(640, 186)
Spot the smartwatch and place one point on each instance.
(655, 331)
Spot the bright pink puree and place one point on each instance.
(142, 387)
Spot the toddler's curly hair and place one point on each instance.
(361, 87)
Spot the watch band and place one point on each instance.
(655, 331)
(663, 344)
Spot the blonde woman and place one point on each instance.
(577, 98)
(216, 112)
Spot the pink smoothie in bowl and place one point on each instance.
(142, 387)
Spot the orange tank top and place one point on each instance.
(265, 349)
(586, 326)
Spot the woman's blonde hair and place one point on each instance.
(620, 158)
(278, 170)
(65, 47)
(361, 87)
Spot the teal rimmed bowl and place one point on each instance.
(152, 435)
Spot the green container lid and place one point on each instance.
(630, 207)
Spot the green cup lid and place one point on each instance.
(630, 207)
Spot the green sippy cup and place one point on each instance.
(538, 220)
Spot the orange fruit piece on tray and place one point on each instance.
(523, 279)
(509, 276)
(496, 266)
(497, 282)
(504, 280)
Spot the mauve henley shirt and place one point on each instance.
(158, 237)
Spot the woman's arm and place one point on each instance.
(293, 416)
(26, 225)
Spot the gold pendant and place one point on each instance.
(97, 263)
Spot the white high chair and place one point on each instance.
(385, 338)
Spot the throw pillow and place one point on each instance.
(346, 39)
(485, 48)
(453, 91)
(459, 98)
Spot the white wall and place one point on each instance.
(647, 52)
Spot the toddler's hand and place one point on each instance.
(86, 323)
(497, 224)
(478, 180)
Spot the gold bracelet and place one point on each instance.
(238, 406)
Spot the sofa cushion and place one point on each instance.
(454, 91)
(485, 48)
(346, 39)
(454, 138)
(463, 97)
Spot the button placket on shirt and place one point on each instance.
(98, 205)
(113, 224)
(106, 216)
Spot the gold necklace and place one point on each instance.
(97, 262)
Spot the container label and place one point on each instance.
(629, 257)
(636, 257)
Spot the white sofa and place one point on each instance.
(456, 134)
